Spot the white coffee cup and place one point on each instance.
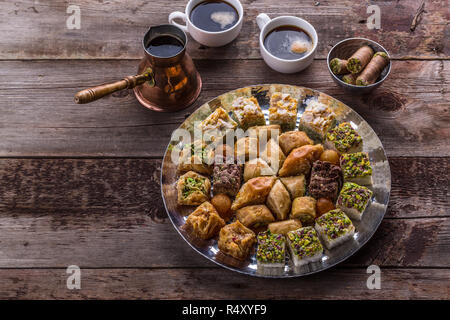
(208, 38)
(266, 25)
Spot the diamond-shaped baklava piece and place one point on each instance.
(254, 191)
(205, 222)
(236, 240)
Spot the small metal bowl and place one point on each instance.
(343, 50)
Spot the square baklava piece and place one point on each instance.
(326, 180)
(247, 112)
(356, 168)
(304, 246)
(344, 139)
(217, 125)
(227, 178)
(334, 228)
(196, 157)
(317, 120)
(283, 110)
(270, 255)
(354, 199)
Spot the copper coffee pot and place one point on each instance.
(162, 84)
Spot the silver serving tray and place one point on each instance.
(364, 229)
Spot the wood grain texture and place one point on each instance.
(222, 284)
(107, 216)
(108, 213)
(38, 117)
(114, 29)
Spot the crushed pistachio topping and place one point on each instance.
(344, 137)
(271, 247)
(354, 196)
(192, 185)
(335, 223)
(381, 54)
(304, 242)
(200, 151)
(356, 165)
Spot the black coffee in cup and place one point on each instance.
(288, 42)
(214, 16)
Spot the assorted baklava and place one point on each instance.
(297, 189)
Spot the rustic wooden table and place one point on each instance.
(79, 184)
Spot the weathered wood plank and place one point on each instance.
(222, 284)
(114, 29)
(38, 117)
(106, 240)
(108, 213)
(132, 186)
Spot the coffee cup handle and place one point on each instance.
(175, 15)
(262, 19)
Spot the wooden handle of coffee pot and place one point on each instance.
(95, 93)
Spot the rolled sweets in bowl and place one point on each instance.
(373, 70)
(350, 78)
(339, 66)
(359, 59)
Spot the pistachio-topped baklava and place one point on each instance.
(304, 245)
(334, 227)
(354, 199)
(270, 254)
(344, 138)
(193, 189)
(356, 168)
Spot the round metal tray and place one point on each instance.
(364, 229)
